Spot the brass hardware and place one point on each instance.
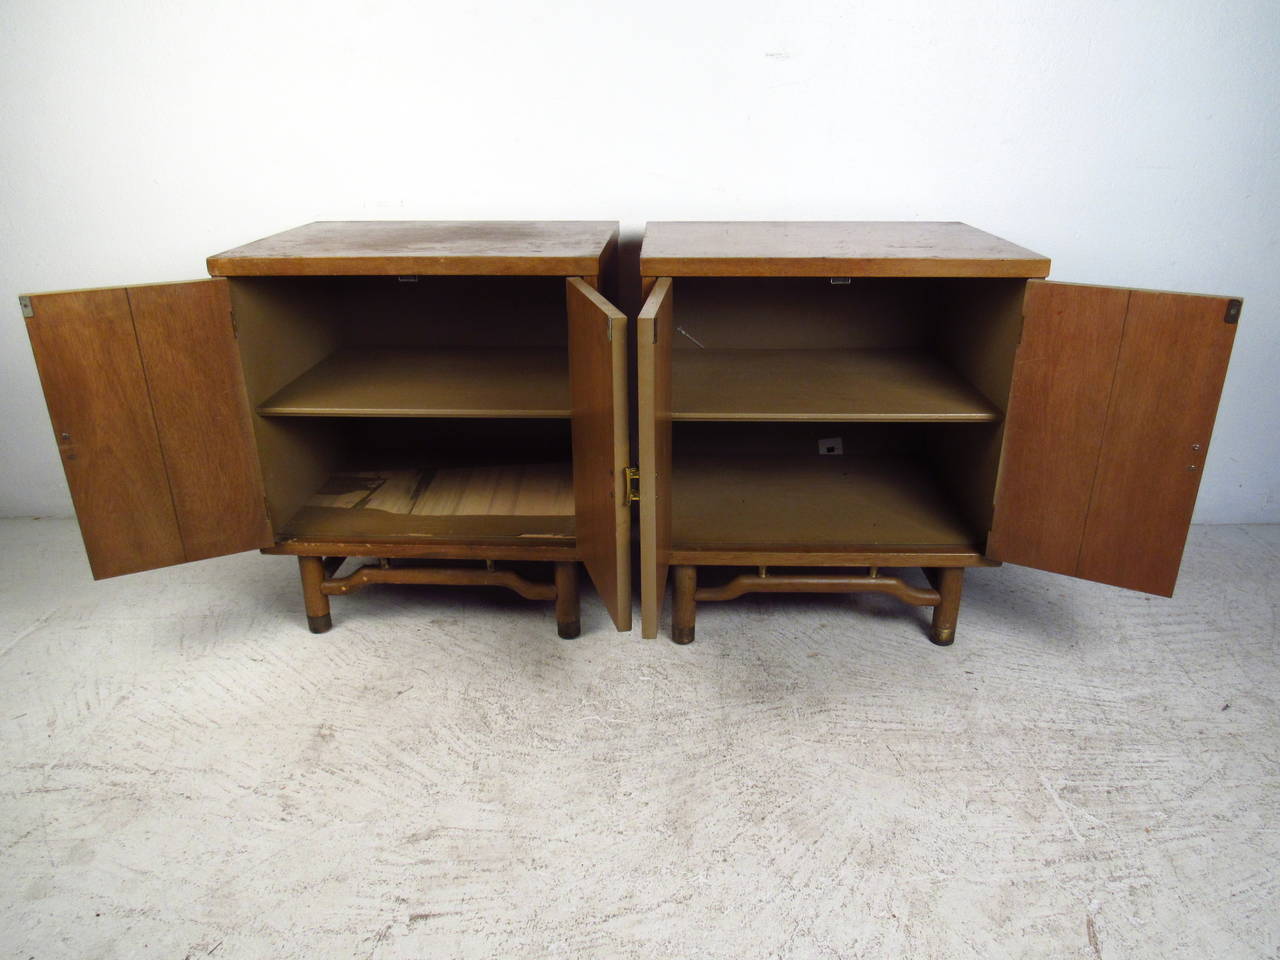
(632, 475)
(1191, 466)
(873, 572)
(1233, 311)
(488, 565)
(1195, 446)
(764, 572)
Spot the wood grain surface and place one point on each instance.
(830, 248)
(392, 247)
(1062, 377)
(601, 447)
(92, 374)
(192, 364)
(1169, 376)
(654, 333)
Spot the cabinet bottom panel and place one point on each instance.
(779, 502)
(521, 502)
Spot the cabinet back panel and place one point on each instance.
(455, 311)
(452, 441)
(770, 313)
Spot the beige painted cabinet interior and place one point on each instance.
(449, 398)
(820, 403)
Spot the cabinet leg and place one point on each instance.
(312, 570)
(948, 581)
(568, 611)
(684, 606)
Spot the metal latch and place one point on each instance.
(633, 483)
(25, 304)
(1233, 311)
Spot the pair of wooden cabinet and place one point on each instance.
(818, 406)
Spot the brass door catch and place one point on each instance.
(633, 483)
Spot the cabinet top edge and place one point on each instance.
(832, 248)
(425, 247)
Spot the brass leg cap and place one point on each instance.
(943, 636)
(320, 624)
(568, 629)
(682, 635)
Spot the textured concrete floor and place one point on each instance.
(186, 772)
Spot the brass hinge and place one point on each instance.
(633, 483)
(25, 304)
(1233, 311)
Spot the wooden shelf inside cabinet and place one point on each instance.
(825, 384)
(509, 503)
(791, 502)
(437, 382)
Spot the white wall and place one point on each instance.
(1135, 142)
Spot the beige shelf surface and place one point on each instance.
(439, 382)
(527, 503)
(781, 502)
(844, 385)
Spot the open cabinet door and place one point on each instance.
(598, 383)
(1113, 399)
(653, 373)
(147, 401)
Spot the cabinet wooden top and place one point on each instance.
(423, 247)
(832, 249)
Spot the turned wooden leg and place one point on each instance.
(568, 617)
(312, 570)
(684, 606)
(948, 581)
